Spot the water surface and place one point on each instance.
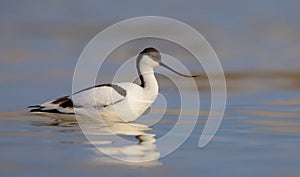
(258, 46)
(259, 136)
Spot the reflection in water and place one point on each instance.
(124, 142)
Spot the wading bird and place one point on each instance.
(126, 101)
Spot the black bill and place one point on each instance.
(166, 66)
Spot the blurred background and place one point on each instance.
(258, 44)
(42, 40)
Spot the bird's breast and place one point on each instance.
(140, 100)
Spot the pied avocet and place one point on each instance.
(126, 101)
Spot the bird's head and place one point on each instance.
(151, 57)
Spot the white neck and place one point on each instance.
(150, 82)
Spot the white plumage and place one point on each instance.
(125, 101)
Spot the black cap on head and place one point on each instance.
(155, 55)
(152, 53)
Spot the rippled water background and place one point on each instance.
(257, 42)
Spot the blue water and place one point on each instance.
(257, 43)
(240, 148)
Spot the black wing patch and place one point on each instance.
(64, 102)
(117, 88)
(35, 106)
(49, 111)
